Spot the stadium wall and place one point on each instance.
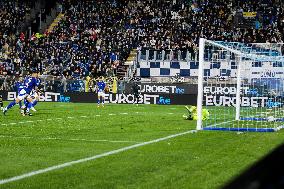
(171, 94)
(125, 98)
(221, 68)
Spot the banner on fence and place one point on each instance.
(164, 88)
(125, 98)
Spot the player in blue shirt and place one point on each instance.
(30, 83)
(19, 85)
(35, 95)
(101, 86)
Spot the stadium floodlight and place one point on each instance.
(242, 86)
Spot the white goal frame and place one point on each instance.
(239, 55)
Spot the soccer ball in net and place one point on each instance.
(270, 118)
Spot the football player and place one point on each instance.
(101, 87)
(135, 89)
(29, 84)
(35, 94)
(19, 85)
(192, 113)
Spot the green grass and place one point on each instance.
(60, 132)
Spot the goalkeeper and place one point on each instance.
(192, 113)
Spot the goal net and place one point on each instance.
(241, 85)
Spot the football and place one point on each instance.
(270, 118)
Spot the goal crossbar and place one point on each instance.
(248, 54)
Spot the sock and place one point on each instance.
(98, 101)
(26, 103)
(29, 107)
(34, 103)
(103, 101)
(13, 103)
(20, 104)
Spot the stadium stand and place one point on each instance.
(12, 13)
(94, 38)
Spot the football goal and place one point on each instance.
(241, 85)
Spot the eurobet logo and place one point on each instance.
(252, 92)
(54, 97)
(179, 90)
(45, 97)
(161, 89)
(143, 99)
(163, 100)
(271, 104)
(64, 98)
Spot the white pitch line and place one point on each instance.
(49, 119)
(68, 164)
(3, 136)
(111, 141)
(220, 123)
(72, 139)
(40, 120)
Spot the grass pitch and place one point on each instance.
(64, 132)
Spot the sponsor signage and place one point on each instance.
(129, 99)
(45, 97)
(164, 88)
(250, 97)
(162, 99)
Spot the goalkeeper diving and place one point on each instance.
(192, 113)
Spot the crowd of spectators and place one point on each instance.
(12, 13)
(95, 37)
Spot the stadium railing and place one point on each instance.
(166, 55)
(61, 84)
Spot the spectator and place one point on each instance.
(96, 38)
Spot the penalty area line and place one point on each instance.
(68, 139)
(68, 164)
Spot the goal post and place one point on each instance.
(241, 85)
(200, 83)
